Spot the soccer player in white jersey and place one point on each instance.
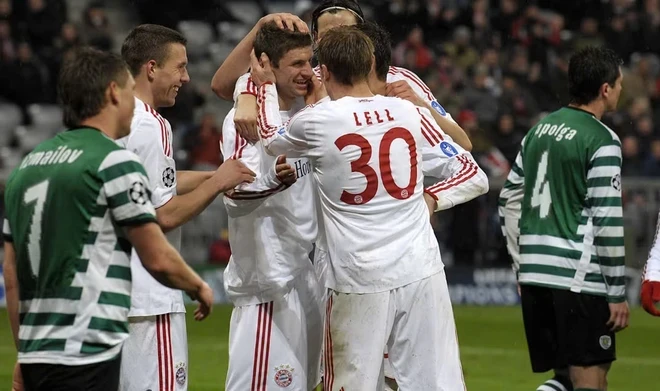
(369, 155)
(328, 14)
(276, 330)
(156, 353)
(75, 207)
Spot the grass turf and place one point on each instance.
(491, 339)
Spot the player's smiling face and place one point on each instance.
(293, 72)
(171, 75)
(329, 21)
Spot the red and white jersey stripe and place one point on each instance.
(370, 156)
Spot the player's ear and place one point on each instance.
(113, 93)
(324, 73)
(150, 69)
(605, 89)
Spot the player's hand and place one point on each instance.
(17, 381)
(231, 174)
(619, 314)
(245, 118)
(401, 89)
(260, 69)
(285, 173)
(650, 296)
(285, 21)
(430, 203)
(204, 296)
(315, 91)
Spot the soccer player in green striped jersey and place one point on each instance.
(562, 217)
(75, 207)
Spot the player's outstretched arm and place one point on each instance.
(187, 181)
(443, 158)
(509, 209)
(165, 264)
(238, 61)
(180, 209)
(414, 90)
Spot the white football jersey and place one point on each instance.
(271, 231)
(652, 267)
(369, 157)
(151, 140)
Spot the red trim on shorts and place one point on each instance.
(329, 376)
(262, 347)
(159, 343)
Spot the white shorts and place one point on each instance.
(277, 345)
(155, 355)
(415, 322)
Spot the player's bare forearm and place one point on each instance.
(452, 129)
(180, 209)
(235, 65)
(161, 260)
(187, 181)
(11, 289)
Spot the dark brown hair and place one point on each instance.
(149, 42)
(276, 42)
(84, 78)
(347, 52)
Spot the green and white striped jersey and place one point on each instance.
(65, 207)
(561, 209)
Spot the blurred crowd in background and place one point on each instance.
(496, 66)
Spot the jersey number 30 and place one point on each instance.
(37, 195)
(541, 197)
(362, 166)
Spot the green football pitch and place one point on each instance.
(491, 340)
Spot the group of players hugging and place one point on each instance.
(335, 275)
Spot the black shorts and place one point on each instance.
(564, 328)
(103, 376)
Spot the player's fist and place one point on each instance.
(284, 172)
(261, 71)
(285, 21)
(17, 381)
(651, 296)
(204, 295)
(231, 174)
(401, 89)
(245, 118)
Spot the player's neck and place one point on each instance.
(595, 108)
(285, 104)
(104, 122)
(143, 91)
(377, 86)
(358, 90)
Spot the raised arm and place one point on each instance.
(238, 61)
(463, 179)
(412, 88)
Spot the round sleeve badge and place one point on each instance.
(169, 177)
(448, 149)
(138, 193)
